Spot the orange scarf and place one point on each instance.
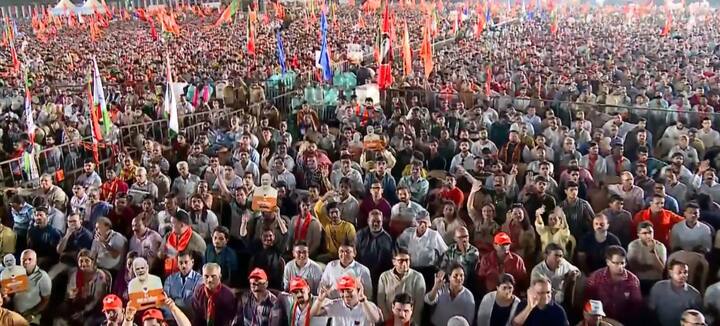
(179, 244)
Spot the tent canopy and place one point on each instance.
(63, 8)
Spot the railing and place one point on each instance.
(65, 161)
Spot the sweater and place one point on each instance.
(486, 307)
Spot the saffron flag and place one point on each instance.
(250, 34)
(385, 52)
(668, 24)
(324, 54)
(488, 80)
(153, 31)
(407, 53)
(426, 50)
(228, 13)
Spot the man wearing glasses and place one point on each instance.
(617, 288)
(398, 280)
(298, 303)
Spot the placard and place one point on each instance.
(264, 199)
(146, 294)
(14, 279)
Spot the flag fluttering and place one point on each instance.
(228, 13)
(280, 52)
(324, 54)
(426, 50)
(385, 52)
(171, 104)
(99, 98)
(407, 53)
(250, 33)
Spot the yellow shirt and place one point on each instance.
(336, 234)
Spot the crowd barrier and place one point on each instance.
(65, 161)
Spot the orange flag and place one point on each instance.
(426, 51)
(407, 54)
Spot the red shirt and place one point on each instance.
(455, 195)
(621, 299)
(662, 223)
(489, 269)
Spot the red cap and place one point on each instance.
(112, 302)
(502, 238)
(153, 314)
(346, 282)
(259, 274)
(298, 283)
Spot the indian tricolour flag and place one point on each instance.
(99, 98)
(171, 103)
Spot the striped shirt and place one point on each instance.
(251, 312)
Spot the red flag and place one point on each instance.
(95, 130)
(426, 50)
(488, 80)
(153, 31)
(385, 52)
(668, 24)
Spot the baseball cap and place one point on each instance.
(346, 282)
(502, 238)
(594, 308)
(152, 314)
(297, 283)
(112, 302)
(259, 274)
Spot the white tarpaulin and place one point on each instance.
(63, 8)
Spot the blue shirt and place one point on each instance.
(44, 240)
(81, 239)
(22, 218)
(226, 258)
(96, 211)
(181, 288)
(553, 314)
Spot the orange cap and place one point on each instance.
(112, 302)
(502, 238)
(153, 314)
(259, 274)
(298, 283)
(346, 282)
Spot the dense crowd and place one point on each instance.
(545, 173)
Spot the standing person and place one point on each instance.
(403, 309)
(32, 303)
(298, 303)
(302, 266)
(9, 317)
(180, 285)
(112, 307)
(401, 279)
(556, 269)
(425, 245)
(591, 249)
(258, 307)
(617, 288)
(451, 298)
(646, 257)
(499, 307)
(213, 303)
(669, 298)
(539, 308)
(500, 261)
(181, 238)
(351, 309)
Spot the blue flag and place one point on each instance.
(324, 55)
(281, 52)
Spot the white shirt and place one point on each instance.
(342, 315)
(333, 272)
(425, 250)
(311, 272)
(104, 259)
(40, 286)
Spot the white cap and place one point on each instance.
(594, 308)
